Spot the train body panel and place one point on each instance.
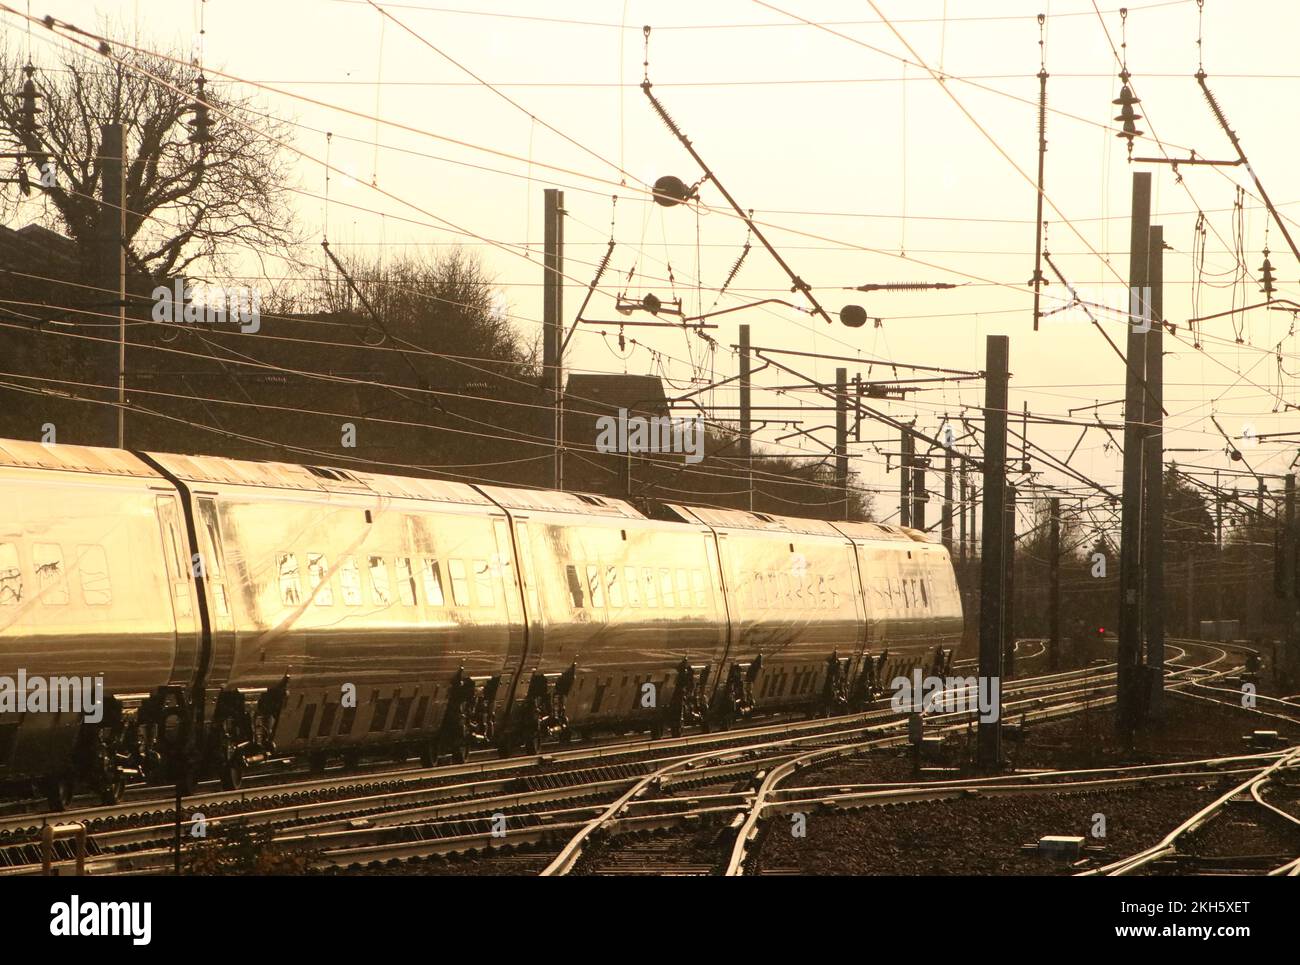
(618, 602)
(287, 609)
(95, 586)
(368, 603)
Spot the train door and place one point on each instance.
(180, 579)
(213, 557)
(533, 642)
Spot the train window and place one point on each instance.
(318, 576)
(379, 587)
(51, 587)
(615, 587)
(328, 711)
(459, 583)
(666, 588)
(350, 581)
(213, 563)
(290, 582)
(433, 583)
(93, 564)
(697, 586)
(594, 587)
(380, 720)
(633, 587)
(405, 581)
(403, 712)
(683, 589)
(648, 584)
(11, 576)
(483, 584)
(575, 586)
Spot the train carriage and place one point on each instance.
(238, 611)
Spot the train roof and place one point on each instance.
(22, 454)
(552, 501)
(217, 470)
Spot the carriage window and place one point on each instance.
(93, 564)
(459, 584)
(319, 577)
(405, 581)
(350, 580)
(615, 587)
(593, 585)
(633, 589)
(697, 584)
(11, 576)
(290, 582)
(683, 589)
(379, 581)
(483, 584)
(648, 584)
(51, 586)
(433, 583)
(575, 586)
(666, 588)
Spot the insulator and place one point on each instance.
(201, 126)
(1266, 276)
(28, 110)
(1127, 116)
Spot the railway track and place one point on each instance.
(483, 804)
(617, 800)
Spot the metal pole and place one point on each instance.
(1128, 670)
(905, 480)
(746, 428)
(919, 497)
(1009, 620)
(946, 527)
(1218, 559)
(992, 589)
(842, 436)
(553, 319)
(961, 514)
(1153, 561)
(113, 255)
(1288, 584)
(1054, 587)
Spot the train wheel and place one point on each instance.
(534, 742)
(112, 787)
(232, 772)
(460, 753)
(351, 760)
(428, 754)
(316, 762)
(58, 791)
(657, 729)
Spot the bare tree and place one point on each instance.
(190, 208)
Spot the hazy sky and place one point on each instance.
(860, 167)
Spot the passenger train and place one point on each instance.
(239, 611)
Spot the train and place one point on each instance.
(226, 613)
